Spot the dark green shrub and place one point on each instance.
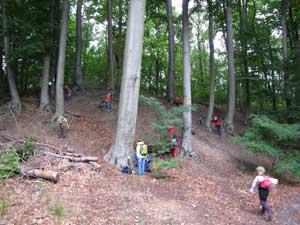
(173, 116)
(26, 150)
(9, 162)
(278, 142)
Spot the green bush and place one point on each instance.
(278, 142)
(173, 116)
(9, 162)
(26, 150)
(3, 206)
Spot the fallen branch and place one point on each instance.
(96, 166)
(32, 142)
(73, 159)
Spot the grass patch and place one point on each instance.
(4, 204)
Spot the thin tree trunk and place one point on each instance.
(120, 52)
(110, 46)
(211, 65)
(199, 48)
(171, 65)
(121, 149)
(44, 105)
(45, 102)
(15, 104)
(245, 72)
(187, 115)
(286, 76)
(78, 72)
(61, 60)
(157, 72)
(231, 73)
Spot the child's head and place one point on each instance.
(260, 170)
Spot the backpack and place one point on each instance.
(143, 149)
(266, 183)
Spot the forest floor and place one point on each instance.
(212, 189)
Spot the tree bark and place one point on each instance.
(120, 53)
(78, 72)
(211, 65)
(45, 102)
(171, 62)
(15, 104)
(61, 60)
(110, 46)
(187, 115)
(286, 75)
(44, 105)
(128, 106)
(231, 72)
(243, 32)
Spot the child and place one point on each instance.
(141, 154)
(217, 123)
(62, 123)
(264, 184)
(108, 101)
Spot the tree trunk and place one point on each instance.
(110, 46)
(286, 76)
(61, 60)
(45, 102)
(78, 72)
(44, 105)
(120, 52)
(171, 65)
(245, 72)
(15, 104)
(121, 149)
(187, 115)
(231, 95)
(211, 65)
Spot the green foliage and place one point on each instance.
(279, 142)
(3, 206)
(166, 118)
(9, 162)
(26, 150)
(57, 210)
(161, 164)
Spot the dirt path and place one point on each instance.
(211, 190)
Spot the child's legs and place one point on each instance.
(218, 130)
(139, 166)
(143, 166)
(265, 207)
(263, 195)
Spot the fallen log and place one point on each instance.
(40, 173)
(73, 159)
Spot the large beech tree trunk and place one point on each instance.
(187, 115)
(211, 65)
(78, 72)
(171, 66)
(15, 104)
(231, 72)
(110, 46)
(128, 106)
(61, 60)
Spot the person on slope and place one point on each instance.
(264, 184)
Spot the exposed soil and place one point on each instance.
(213, 189)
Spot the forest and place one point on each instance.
(83, 82)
